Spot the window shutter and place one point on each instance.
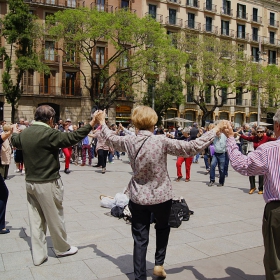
(106, 55)
(63, 83)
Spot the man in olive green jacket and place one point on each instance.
(40, 145)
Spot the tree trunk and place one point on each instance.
(13, 113)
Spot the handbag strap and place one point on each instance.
(140, 148)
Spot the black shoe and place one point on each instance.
(96, 165)
(67, 171)
(4, 231)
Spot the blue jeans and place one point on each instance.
(226, 164)
(218, 159)
(206, 161)
(196, 157)
(110, 157)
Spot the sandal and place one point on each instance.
(178, 179)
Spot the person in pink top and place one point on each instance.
(150, 189)
(265, 160)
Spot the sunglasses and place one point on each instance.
(259, 131)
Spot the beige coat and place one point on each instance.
(6, 152)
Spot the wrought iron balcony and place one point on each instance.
(273, 23)
(51, 59)
(242, 16)
(174, 1)
(56, 3)
(255, 38)
(256, 19)
(242, 35)
(157, 17)
(102, 8)
(226, 12)
(193, 4)
(190, 24)
(272, 60)
(227, 32)
(174, 21)
(70, 61)
(210, 29)
(48, 90)
(209, 8)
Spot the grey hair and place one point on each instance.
(276, 117)
(186, 130)
(260, 128)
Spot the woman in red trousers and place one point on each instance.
(67, 151)
(180, 160)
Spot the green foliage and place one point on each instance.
(166, 94)
(20, 31)
(140, 47)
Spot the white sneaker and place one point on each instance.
(73, 250)
(17, 170)
(22, 172)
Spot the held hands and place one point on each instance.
(98, 118)
(224, 127)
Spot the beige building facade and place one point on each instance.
(250, 24)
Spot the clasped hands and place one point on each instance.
(98, 117)
(224, 127)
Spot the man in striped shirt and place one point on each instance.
(265, 160)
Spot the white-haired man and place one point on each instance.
(264, 161)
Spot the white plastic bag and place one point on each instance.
(107, 201)
(121, 200)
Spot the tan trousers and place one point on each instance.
(271, 237)
(45, 208)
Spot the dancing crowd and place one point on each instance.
(37, 147)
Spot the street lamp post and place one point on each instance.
(153, 98)
(259, 86)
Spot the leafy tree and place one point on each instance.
(20, 31)
(137, 47)
(164, 95)
(215, 68)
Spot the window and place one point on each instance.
(49, 50)
(272, 19)
(71, 3)
(172, 16)
(209, 5)
(208, 94)
(226, 7)
(224, 95)
(241, 31)
(70, 53)
(125, 4)
(255, 14)
(225, 27)
(241, 11)
(123, 60)
(271, 37)
(191, 20)
(100, 5)
(255, 33)
(52, 2)
(192, 3)
(70, 79)
(100, 55)
(271, 57)
(239, 91)
(255, 54)
(190, 92)
(47, 83)
(241, 48)
(208, 24)
(153, 11)
(27, 81)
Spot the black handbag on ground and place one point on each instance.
(176, 214)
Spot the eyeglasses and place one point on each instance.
(259, 131)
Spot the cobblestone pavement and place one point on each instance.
(222, 240)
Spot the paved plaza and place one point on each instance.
(222, 240)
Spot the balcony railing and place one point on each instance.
(256, 19)
(238, 102)
(272, 61)
(226, 12)
(227, 32)
(57, 3)
(193, 4)
(174, 21)
(126, 8)
(242, 35)
(255, 38)
(49, 90)
(71, 91)
(241, 15)
(273, 23)
(51, 59)
(210, 28)
(269, 41)
(210, 8)
(255, 58)
(70, 61)
(157, 17)
(174, 1)
(102, 8)
(190, 24)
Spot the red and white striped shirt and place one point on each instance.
(265, 160)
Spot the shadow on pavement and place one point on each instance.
(233, 273)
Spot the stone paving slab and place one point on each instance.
(222, 240)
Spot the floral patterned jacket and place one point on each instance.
(150, 183)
